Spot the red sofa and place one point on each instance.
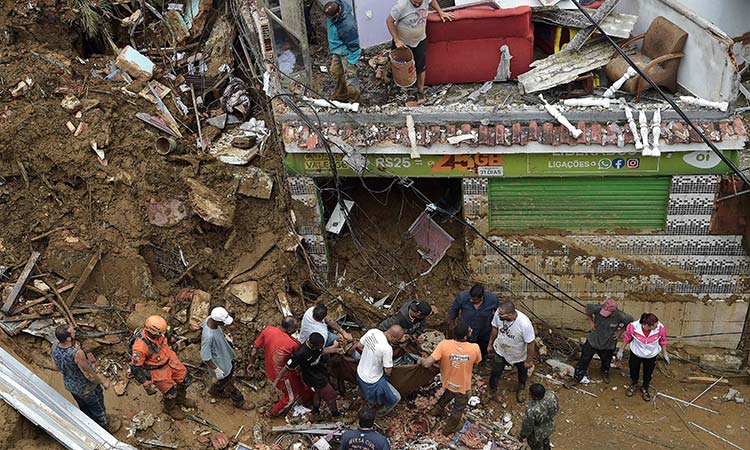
(467, 50)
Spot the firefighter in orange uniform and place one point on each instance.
(156, 366)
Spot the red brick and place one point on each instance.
(525, 135)
(484, 135)
(627, 135)
(421, 135)
(450, 130)
(548, 138)
(312, 141)
(562, 135)
(739, 127)
(303, 137)
(582, 138)
(694, 137)
(533, 131)
(499, 131)
(596, 134)
(723, 130)
(435, 134)
(517, 131)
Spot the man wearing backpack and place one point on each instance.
(156, 366)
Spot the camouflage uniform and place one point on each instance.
(539, 421)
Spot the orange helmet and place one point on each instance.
(156, 325)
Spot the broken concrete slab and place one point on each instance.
(615, 25)
(135, 63)
(246, 292)
(722, 361)
(253, 182)
(564, 67)
(211, 206)
(263, 244)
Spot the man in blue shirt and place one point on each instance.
(343, 41)
(476, 307)
(364, 438)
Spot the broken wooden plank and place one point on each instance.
(84, 276)
(265, 243)
(22, 317)
(564, 67)
(18, 287)
(615, 25)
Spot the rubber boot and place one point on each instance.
(521, 393)
(436, 411)
(182, 397)
(172, 409)
(452, 425)
(216, 392)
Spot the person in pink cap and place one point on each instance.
(607, 325)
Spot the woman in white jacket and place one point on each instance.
(647, 338)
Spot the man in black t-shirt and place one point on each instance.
(307, 359)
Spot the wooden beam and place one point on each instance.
(82, 279)
(18, 287)
(22, 317)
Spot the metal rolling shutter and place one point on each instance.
(579, 203)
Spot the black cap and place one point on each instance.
(422, 308)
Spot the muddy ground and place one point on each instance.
(59, 199)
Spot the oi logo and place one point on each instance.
(618, 163)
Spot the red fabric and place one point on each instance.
(467, 50)
(277, 347)
(292, 387)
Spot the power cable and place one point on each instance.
(671, 102)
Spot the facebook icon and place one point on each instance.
(618, 163)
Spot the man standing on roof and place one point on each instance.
(156, 366)
(343, 42)
(511, 342)
(278, 346)
(607, 325)
(219, 356)
(375, 367)
(457, 359)
(83, 383)
(476, 307)
(407, 24)
(316, 320)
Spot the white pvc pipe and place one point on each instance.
(721, 106)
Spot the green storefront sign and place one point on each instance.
(517, 165)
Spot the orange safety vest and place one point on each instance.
(151, 353)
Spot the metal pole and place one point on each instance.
(684, 402)
(715, 435)
(704, 391)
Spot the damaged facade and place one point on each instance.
(592, 213)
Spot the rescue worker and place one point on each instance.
(156, 366)
(84, 384)
(343, 42)
(412, 317)
(539, 419)
(278, 346)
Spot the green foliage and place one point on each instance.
(94, 16)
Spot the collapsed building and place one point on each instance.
(586, 205)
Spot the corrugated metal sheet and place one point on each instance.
(49, 410)
(585, 203)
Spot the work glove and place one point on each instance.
(666, 356)
(219, 373)
(620, 354)
(150, 389)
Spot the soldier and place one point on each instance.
(539, 420)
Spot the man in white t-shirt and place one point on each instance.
(316, 320)
(375, 367)
(511, 343)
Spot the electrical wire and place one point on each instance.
(671, 102)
